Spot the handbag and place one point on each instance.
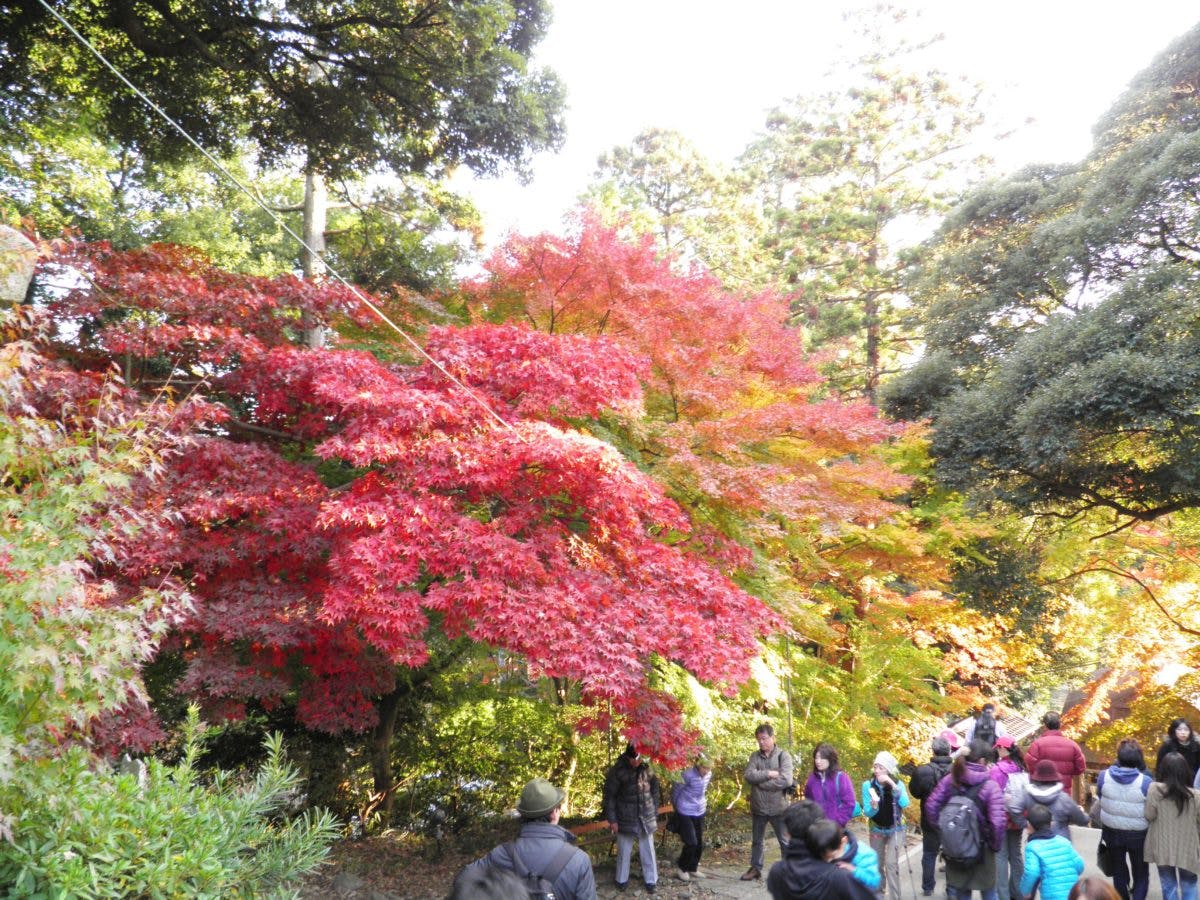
(1104, 860)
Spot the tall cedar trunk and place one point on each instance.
(312, 254)
(871, 321)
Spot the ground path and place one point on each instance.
(370, 875)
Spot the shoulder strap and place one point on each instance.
(557, 863)
(564, 855)
(972, 793)
(518, 864)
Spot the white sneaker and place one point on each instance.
(682, 875)
(699, 874)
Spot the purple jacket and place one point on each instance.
(990, 797)
(1000, 771)
(835, 796)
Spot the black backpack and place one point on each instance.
(985, 728)
(540, 886)
(960, 828)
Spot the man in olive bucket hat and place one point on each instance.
(543, 847)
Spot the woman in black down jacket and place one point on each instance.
(1182, 740)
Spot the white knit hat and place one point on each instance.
(885, 759)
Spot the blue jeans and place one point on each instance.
(1010, 865)
(957, 894)
(931, 843)
(1177, 884)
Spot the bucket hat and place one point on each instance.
(539, 799)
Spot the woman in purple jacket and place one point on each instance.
(968, 771)
(829, 786)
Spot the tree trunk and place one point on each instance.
(564, 771)
(381, 756)
(312, 261)
(873, 327)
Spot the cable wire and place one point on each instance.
(216, 163)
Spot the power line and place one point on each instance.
(483, 404)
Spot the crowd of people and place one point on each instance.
(998, 817)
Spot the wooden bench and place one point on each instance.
(596, 832)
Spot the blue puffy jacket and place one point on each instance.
(865, 861)
(1052, 864)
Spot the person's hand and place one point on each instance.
(885, 780)
(772, 773)
(848, 866)
(612, 826)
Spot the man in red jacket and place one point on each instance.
(1059, 749)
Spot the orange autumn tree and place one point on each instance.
(795, 486)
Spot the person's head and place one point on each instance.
(988, 708)
(632, 755)
(765, 735)
(488, 883)
(1052, 721)
(1045, 772)
(800, 815)
(885, 764)
(976, 752)
(825, 759)
(1091, 888)
(824, 839)
(940, 746)
(1006, 748)
(1175, 773)
(950, 736)
(1181, 731)
(540, 800)
(1129, 754)
(1039, 817)
(702, 763)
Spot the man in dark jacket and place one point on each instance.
(921, 785)
(631, 799)
(1059, 749)
(543, 847)
(803, 873)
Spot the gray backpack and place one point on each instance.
(540, 885)
(961, 832)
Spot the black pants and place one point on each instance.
(691, 832)
(1129, 863)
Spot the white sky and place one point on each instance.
(711, 71)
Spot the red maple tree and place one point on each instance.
(501, 524)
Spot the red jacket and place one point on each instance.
(1060, 750)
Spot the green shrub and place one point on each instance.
(82, 832)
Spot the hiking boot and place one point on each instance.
(650, 888)
(621, 885)
(752, 874)
(683, 876)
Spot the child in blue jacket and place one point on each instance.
(1051, 864)
(862, 860)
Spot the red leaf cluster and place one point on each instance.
(530, 536)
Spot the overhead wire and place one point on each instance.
(223, 170)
